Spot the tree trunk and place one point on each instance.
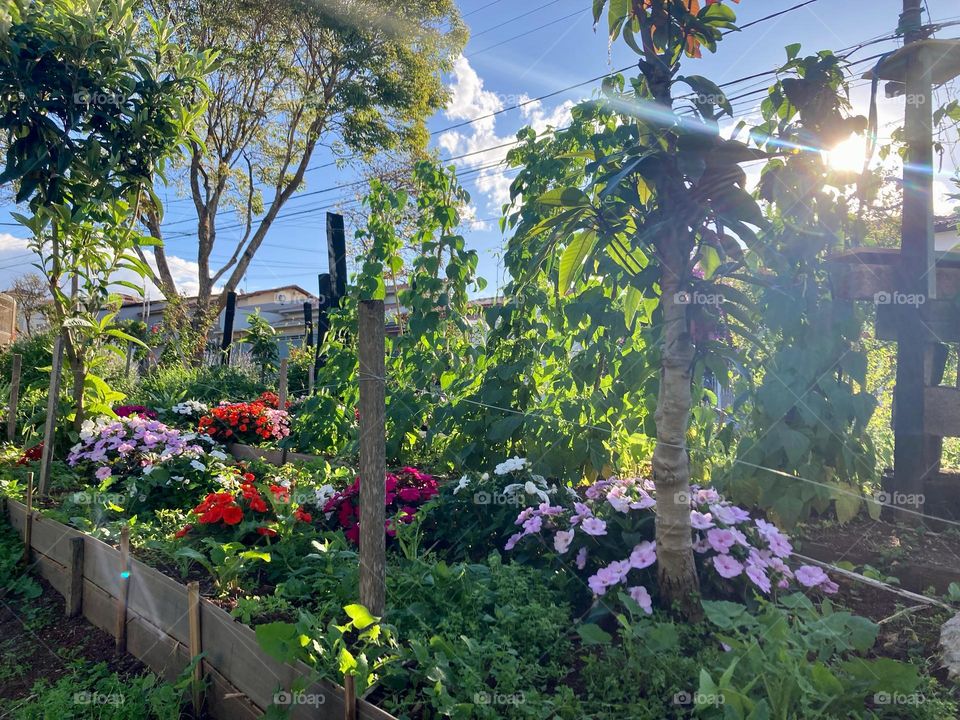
(676, 571)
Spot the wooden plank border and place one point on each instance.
(243, 679)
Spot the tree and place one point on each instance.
(359, 77)
(92, 104)
(33, 299)
(262, 339)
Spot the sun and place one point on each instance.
(848, 155)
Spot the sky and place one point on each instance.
(520, 50)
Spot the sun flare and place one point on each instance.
(848, 155)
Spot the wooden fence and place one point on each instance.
(242, 679)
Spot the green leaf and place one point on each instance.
(359, 615)
(594, 635)
(564, 197)
(574, 256)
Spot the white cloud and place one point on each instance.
(469, 99)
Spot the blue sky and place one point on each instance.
(557, 47)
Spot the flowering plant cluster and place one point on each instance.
(246, 422)
(192, 409)
(407, 489)
(144, 454)
(599, 534)
(141, 410)
(31, 454)
(272, 400)
(249, 505)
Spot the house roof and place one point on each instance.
(946, 223)
(130, 301)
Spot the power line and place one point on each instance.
(524, 34)
(482, 7)
(513, 19)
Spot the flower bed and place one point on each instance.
(251, 423)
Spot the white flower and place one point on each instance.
(197, 465)
(218, 455)
(532, 489)
(485, 477)
(285, 483)
(511, 465)
(147, 469)
(322, 494)
(464, 481)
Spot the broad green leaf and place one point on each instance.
(594, 635)
(564, 197)
(359, 615)
(574, 256)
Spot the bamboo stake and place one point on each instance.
(28, 523)
(124, 588)
(53, 401)
(14, 398)
(193, 609)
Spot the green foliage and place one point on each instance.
(262, 341)
(168, 385)
(226, 562)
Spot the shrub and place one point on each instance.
(166, 386)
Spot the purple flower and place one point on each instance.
(700, 545)
(582, 512)
(699, 521)
(779, 545)
(642, 598)
(721, 540)
(596, 584)
(706, 495)
(617, 500)
(644, 555)
(726, 566)
(594, 526)
(581, 559)
(758, 577)
(644, 502)
(533, 525)
(811, 576)
(729, 514)
(103, 472)
(512, 541)
(562, 540)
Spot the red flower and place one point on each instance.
(232, 515)
(183, 531)
(409, 494)
(267, 531)
(302, 516)
(258, 505)
(353, 534)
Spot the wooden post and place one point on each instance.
(917, 274)
(53, 402)
(28, 521)
(14, 398)
(126, 371)
(308, 322)
(349, 698)
(228, 315)
(124, 588)
(193, 609)
(282, 404)
(373, 464)
(73, 598)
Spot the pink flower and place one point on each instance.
(699, 521)
(721, 540)
(512, 541)
(706, 495)
(562, 540)
(811, 576)
(644, 555)
(103, 472)
(594, 526)
(726, 566)
(729, 514)
(758, 577)
(779, 545)
(642, 598)
(533, 525)
(581, 560)
(644, 502)
(700, 545)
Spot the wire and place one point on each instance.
(523, 34)
(510, 20)
(482, 7)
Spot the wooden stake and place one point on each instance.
(28, 523)
(193, 610)
(74, 595)
(373, 452)
(14, 398)
(53, 402)
(349, 698)
(124, 588)
(282, 404)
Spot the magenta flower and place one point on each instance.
(726, 566)
(594, 526)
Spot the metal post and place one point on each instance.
(336, 257)
(228, 315)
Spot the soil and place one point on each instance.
(38, 642)
(919, 558)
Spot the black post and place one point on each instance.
(228, 315)
(336, 257)
(323, 319)
(308, 322)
